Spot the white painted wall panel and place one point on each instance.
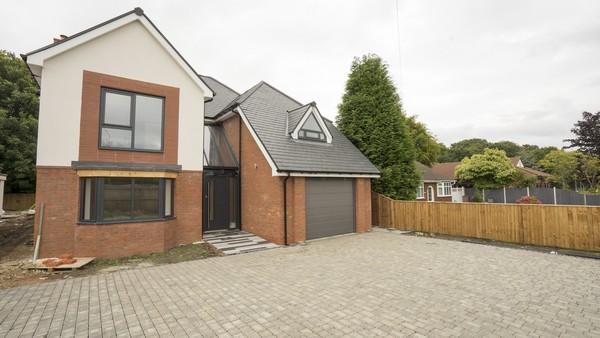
(130, 52)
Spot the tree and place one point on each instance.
(492, 169)
(18, 123)
(511, 148)
(587, 131)
(589, 169)
(562, 167)
(428, 149)
(465, 148)
(371, 117)
(532, 154)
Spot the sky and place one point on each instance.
(516, 70)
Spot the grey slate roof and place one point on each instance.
(223, 96)
(430, 174)
(266, 109)
(294, 116)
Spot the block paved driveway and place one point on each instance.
(375, 284)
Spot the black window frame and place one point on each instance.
(131, 127)
(98, 200)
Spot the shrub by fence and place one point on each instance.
(546, 195)
(18, 201)
(572, 227)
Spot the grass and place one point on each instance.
(178, 254)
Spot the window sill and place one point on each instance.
(136, 150)
(128, 221)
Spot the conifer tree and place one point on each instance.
(371, 117)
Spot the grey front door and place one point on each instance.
(330, 207)
(220, 200)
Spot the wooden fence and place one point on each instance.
(18, 201)
(573, 227)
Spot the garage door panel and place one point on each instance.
(329, 207)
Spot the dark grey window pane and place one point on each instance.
(117, 109)
(117, 198)
(116, 138)
(146, 198)
(148, 122)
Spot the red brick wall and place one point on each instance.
(90, 120)
(362, 187)
(262, 194)
(296, 209)
(59, 190)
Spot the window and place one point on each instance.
(444, 188)
(111, 199)
(131, 121)
(217, 151)
(311, 130)
(421, 190)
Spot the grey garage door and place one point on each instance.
(329, 207)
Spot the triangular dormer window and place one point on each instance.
(311, 126)
(311, 130)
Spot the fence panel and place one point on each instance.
(18, 201)
(573, 227)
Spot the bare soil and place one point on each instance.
(16, 252)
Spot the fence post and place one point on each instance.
(483, 194)
(527, 191)
(584, 199)
(504, 190)
(554, 191)
(2, 179)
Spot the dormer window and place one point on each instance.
(306, 123)
(311, 130)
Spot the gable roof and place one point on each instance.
(446, 169)
(265, 110)
(35, 59)
(430, 174)
(223, 96)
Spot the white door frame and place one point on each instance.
(430, 195)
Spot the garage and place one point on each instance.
(329, 207)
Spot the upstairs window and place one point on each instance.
(311, 130)
(131, 121)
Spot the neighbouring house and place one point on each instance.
(137, 153)
(447, 170)
(437, 186)
(541, 178)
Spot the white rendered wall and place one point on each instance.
(130, 52)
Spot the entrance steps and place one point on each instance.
(237, 242)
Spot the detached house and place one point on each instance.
(137, 153)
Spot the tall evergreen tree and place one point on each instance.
(428, 149)
(18, 123)
(371, 117)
